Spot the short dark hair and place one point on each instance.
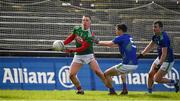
(122, 27)
(159, 23)
(87, 16)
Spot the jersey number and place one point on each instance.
(132, 42)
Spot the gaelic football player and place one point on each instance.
(165, 60)
(84, 39)
(128, 51)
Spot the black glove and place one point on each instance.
(96, 40)
(140, 56)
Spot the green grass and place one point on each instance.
(66, 95)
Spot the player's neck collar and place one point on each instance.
(160, 33)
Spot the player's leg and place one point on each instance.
(177, 85)
(124, 69)
(164, 69)
(124, 90)
(74, 68)
(151, 74)
(158, 77)
(108, 74)
(95, 67)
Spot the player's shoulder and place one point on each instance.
(127, 35)
(165, 34)
(123, 36)
(119, 37)
(154, 36)
(77, 27)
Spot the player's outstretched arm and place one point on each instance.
(69, 39)
(148, 48)
(84, 46)
(107, 43)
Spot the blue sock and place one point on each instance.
(172, 81)
(150, 90)
(111, 90)
(124, 86)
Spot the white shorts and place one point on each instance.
(166, 66)
(83, 59)
(122, 68)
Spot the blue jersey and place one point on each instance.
(127, 49)
(163, 40)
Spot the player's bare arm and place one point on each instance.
(163, 56)
(148, 48)
(107, 43)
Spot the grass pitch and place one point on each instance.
(70, 95)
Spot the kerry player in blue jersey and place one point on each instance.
(165, 60)
(128, 51)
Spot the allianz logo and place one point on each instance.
(64, 77)
(141, 78)
(22, 75)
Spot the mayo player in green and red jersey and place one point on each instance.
(84, 39)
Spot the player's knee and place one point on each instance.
(123, 76)
(156, 79)
(106, 74)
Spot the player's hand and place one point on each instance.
(140, 56)
(96, 40)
